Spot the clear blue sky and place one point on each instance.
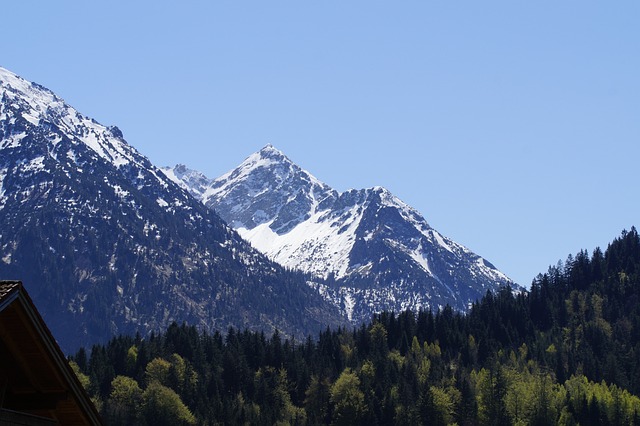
(513, 127)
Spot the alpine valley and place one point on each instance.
(106, 244)
(368, 250)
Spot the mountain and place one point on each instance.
(374, 251)
(105, 243)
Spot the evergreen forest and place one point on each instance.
(566, 352)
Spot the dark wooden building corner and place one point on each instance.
(37, 385)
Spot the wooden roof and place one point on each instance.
(35, 377)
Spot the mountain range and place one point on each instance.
(370, 251)
(105, 243)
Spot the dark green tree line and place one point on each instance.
(566, 352)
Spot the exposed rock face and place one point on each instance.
(373, 251)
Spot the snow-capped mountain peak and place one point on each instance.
(109, 244)
(266, 188)
(379, 252)
(37, 105)
(191, 180)
(269, 163)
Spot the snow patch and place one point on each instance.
(31, 119)
(441, 242)
(418, 256)
(121, 193)
(13, 141)
(313, 246)
(3, 175)
(72, 156)
(349, 304)
(35, 165)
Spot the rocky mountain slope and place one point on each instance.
(105, 243)
(374, 251)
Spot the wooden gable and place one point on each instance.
(37, 385)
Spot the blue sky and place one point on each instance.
(513, 127)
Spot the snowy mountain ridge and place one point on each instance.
(375, 251)
(107, 244)
(38, 104)
(42, 111)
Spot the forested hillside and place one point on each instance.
(567, 352)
